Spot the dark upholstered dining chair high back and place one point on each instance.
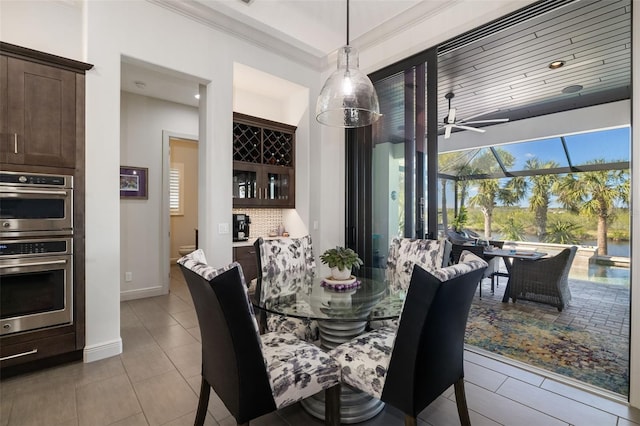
(409, 367)
(252, 374)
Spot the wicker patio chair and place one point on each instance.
(545, 280)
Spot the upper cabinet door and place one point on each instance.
(41, 115)
(264, 163)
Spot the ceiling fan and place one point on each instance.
(450, 121)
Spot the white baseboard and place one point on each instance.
(102, 350)
(142, 293)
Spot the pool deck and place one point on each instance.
(595, 307)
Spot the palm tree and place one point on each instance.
(446, 162)
(541, 186)
(489, 191)
(512, 230)
(463, 184)
(595, 194)
(563, 232)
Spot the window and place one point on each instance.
(176, 189)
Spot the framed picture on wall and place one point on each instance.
(134, 182)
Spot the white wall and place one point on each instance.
(142, 120)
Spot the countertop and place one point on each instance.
(250, 241)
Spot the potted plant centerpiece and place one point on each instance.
(341, 260)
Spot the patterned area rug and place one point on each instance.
(577, 354)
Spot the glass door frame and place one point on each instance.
(359, 151)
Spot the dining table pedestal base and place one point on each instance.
(355, 406)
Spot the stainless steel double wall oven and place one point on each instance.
(36, 251)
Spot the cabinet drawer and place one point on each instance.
(32, 350)
(246, 256)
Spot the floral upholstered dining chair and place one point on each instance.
(411, 365)
(252, 374)
(404, 253)
(282, 264)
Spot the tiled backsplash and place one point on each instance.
(263, 221)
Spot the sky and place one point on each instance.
(609, 145)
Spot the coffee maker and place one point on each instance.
(241, 227)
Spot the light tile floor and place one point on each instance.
(155, 381)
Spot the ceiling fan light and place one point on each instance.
(348, 98)
(556, 64)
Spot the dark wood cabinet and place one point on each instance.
(246, 257)
(39, 123)
(264, 163)
(42, 131)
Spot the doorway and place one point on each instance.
(180, 184)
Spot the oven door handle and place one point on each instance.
(16, 192)
(20, 265)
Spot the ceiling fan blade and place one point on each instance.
(451, 118)
(494, 120)
(447, 132)
(473, 129)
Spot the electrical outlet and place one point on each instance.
(128, 276)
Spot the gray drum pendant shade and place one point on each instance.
(347, 98)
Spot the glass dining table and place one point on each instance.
(342, 310)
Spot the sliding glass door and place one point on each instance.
(388, 169)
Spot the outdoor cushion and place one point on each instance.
(468, 262)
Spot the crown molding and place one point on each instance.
(412, 17)
(272, 41)
(257, 33)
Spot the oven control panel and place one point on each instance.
(36, 179)
(35, 247)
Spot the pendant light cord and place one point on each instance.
(347, 22)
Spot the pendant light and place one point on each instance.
(347, 98)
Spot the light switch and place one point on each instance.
(223, 228)
(315, 225)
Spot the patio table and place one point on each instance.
(508, 256)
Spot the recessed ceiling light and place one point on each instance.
(572, 89)
(197, 96)
(556, 64)
(140, 84)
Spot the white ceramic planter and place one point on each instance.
(340, 274)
